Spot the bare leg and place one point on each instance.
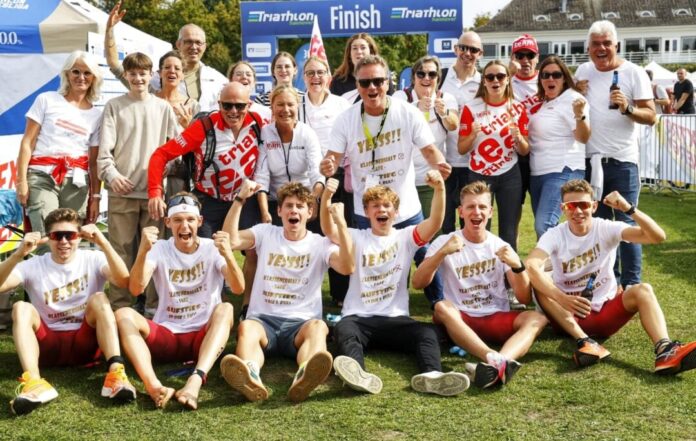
(249, 270)
(528, 325)
(311, 339)
(99, 315)
(458, 331)
(641, 299)
(314, 360)
(25, 323)
(562, 316)
(251, 339)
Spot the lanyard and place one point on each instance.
(286, 156)
(368, 136)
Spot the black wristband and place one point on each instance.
(520, 269)
(240, 200)
(630, 211)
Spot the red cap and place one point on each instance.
(525, 42)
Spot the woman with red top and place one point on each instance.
(494, 130)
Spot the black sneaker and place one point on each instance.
(487, 375)
(511, 368)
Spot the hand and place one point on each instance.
(149, 237)
(91, 233)
(513, 66)
(440, 107)
(434, 179)
(616, 201)
(445, 169)
(453, 245)
(92, 210)
(327, 166)
(579, 306)
(221, 239)
(31, 242)
(337, 213)
(578, 107)
(514, 131)
(156, 208)
(509, 257)
(22, 190)
(115, 16)
(248, 189)
(121, 185)
(426, 101)
(583, 86)
(183, 114)
(476, 128)
(266, 217)
(331, 187)
(617, 97)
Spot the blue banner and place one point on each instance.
(19, 25)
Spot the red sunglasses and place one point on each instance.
(572, 205)
(60, 235)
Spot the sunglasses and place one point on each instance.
(499, 76)
(572, 205)
(60, 235)
(523, 55)
(229, 106)
(315, 73)
(471, 49)
(556, 75)
(182, 199)
(365, 83)
(421, 74)
(78, 72)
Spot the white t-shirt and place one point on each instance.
(65, 129)
(525, 91)
(60, 292)
(321, 118)
(440, 134)
(379, 284)
(404, 131)
(261, 110)
(288, 280)
(474, 278)
(575, 258)
(300, 158)
(189, 285)
(614, 135)
(552, 143)
(494, 147)
(463, 91)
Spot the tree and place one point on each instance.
(482, 19)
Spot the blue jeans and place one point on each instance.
(622, 177)
(433, 292)
(546, 197)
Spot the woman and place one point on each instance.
(494, 129)
(60, 144)
(283, 70)
(290, 152)
(343, 82)
(439, 109)
(243, 72)
(558, 132)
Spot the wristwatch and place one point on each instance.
(629, 110)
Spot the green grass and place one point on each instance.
(548, 399)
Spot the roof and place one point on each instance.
(524, 15)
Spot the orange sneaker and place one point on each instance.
(31, 392)
(678, 357)
(117, 387)
(589, 352)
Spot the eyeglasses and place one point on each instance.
(78, 72)
(365, 83)
(229, 106)
(182, 199)
(471, 49)
(421, 74)
(194, 42)
(315, 73)
(522, 55)
(556, 75)
(499, 76)
(573, 205)
(60, 235)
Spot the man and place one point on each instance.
(201, 83)
(69, 319)
(378, 135)
(660, 95)
(612, 150)
(462, 80)
(284, 316)
(133, 126)
(190, 323)
(683, 94)
(580, 296)
(375, 311)
(476, 311)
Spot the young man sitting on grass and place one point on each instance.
(69, 320)
(284, 316)
(582, 252)
(375, 311)
(474, 265)
(190, 323)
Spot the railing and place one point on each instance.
(639, 58)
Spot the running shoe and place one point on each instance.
(310, 375)
(243, 377)
(30, 393)
(117, 387)
(678, 357)
(446, 384)
(589, 352)
(349, 370)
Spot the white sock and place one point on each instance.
(496, 359)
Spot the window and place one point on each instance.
(575, 16)
(652, 44)
(542, 17)
(611, 15)
(688, 43)
(489, 50)
(683, 12)
(544, 48)
(646, 14)
(633, 45)
(577, 47)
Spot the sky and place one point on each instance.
(471, 8)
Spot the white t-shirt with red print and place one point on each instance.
(494, 147)
(525, 91)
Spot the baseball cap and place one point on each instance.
(525, 42)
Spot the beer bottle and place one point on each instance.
(589, 288)
(614, 86)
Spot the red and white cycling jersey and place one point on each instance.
(494, 147)
(235, 158)
(525, 91)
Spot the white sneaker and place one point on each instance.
(439, 383)
(31, 392)
(243, 377)
(355, 377)
(309, 376)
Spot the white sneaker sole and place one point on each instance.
(237, 375)
(446, 384)
(355, 377)
(315, 372)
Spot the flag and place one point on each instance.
(316, 44)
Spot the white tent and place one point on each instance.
(662, 76)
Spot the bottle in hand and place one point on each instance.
(614, 86)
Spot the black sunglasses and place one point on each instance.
(556, 75)
(499, 76)
(470, 49)
(421, 74)
(523, 55)
(228, 106)
(365, 83)
(183, 199)
(60, 235)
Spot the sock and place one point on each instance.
(496, 359)
(115, 359)
(662, 345)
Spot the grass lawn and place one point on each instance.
(549, 398)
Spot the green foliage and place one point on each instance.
(482, 19)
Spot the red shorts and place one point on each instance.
(67, 348)
(493, 328)
(605, 323)
(165, 346)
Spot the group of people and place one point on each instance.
(304, 183)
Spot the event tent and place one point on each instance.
(662, 76)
